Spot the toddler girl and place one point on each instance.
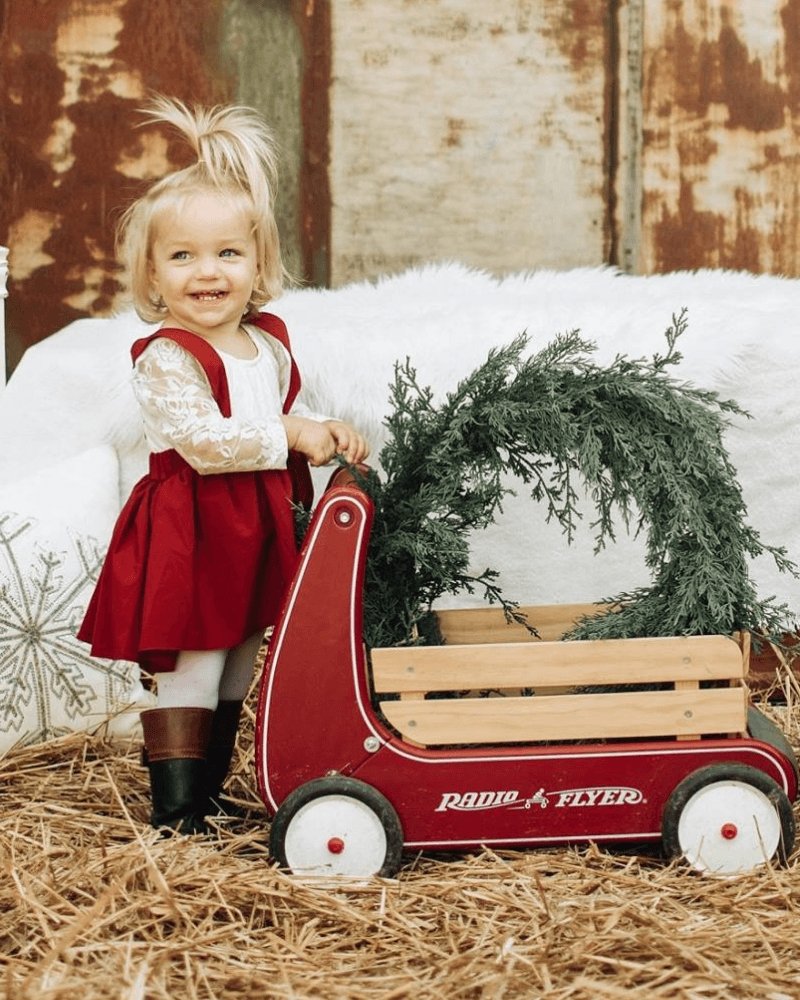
(204, 548)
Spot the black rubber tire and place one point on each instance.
(712, 774)
(351, 788)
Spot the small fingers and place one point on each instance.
(359, 450)
(355, 450)
(348, 442)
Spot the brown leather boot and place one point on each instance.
(176, 744)
(220, 752)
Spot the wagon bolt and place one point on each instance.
(729, 831)
(688, 713)
(371, 744)
(336, 845)
(343, 517)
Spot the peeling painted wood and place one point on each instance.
(72, 76)
(467, 131)
(520, 134)
(263, 53)
(314, 24)
(721, 113)
(627, 179)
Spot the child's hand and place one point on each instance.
(321, 442)
(349, 443)
(310, 438)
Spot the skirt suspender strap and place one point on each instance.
(203, 353)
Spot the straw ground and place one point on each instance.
(94, 904)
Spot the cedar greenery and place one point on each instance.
(646, 447)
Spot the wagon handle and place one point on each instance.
(344, 476)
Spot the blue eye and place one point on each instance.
(229, 252)
(179, 255)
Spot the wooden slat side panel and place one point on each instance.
(569, 717)
(547, 664)
(468, 625)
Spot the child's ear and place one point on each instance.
(153, 292)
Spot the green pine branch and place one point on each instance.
(646, 447)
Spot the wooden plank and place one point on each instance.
(569, 717)
(720, 118)
(545, 664)
(744, 640)
(463, 65)
(469, 625)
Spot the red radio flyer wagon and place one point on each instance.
(362, 755)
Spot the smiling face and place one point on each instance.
(203, 263)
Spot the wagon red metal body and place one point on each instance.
(355, 772)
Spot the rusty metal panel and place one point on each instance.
(721, 116)
(476, 132)
(72, 74)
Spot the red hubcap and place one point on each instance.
(336, 845)
(729, 831)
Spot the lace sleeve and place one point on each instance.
(179, 412)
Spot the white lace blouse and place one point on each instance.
(179, 410)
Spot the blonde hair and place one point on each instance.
(236, 156)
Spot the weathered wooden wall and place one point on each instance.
(721, 136)
(469, 131)
(652, 134)
(72, 75)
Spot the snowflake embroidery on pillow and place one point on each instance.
(48, 679)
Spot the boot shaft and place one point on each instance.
(176, 747)
(176, 733)
(221, 744)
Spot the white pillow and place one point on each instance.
(54, 530)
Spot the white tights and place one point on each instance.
(204, 677)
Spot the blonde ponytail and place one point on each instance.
(232, 144)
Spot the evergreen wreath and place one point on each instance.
(646, 447)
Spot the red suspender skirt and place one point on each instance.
(198, 562)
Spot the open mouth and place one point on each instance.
(208, 296)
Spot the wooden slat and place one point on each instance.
(470, 625)
(569, 717)
(744, 640)
(546, 664)
(691, 686)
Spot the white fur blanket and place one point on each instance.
(71, 392)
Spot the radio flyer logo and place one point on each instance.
(563, 798)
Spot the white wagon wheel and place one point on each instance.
(337, 826)
(728, 819)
